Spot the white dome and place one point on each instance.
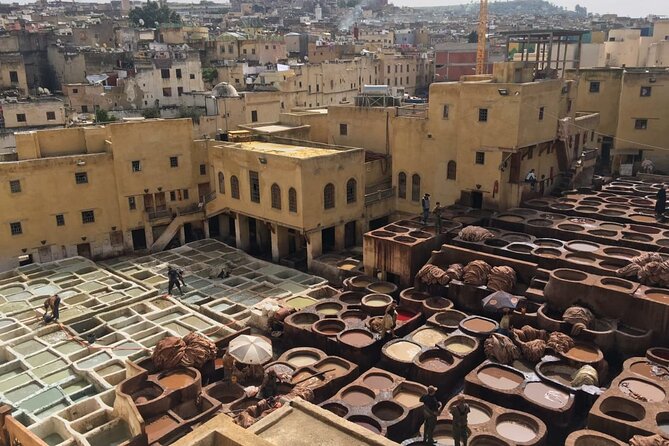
(224, 89)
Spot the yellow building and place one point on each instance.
(13, 73)
(288, 199)
(100, 191)
(37, 112)
(634, 121)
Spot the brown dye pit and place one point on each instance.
(404, 239)
(353, 316)
(396, 229)
(378, 381)
(581, 258)
(641, 390)
(384, 234)
(478, 325)
(357, 396)
(547, 252)
(520, 247)
(583, 353)
(658, 295)
(376, 301)
(329, 327)
(387, 410)
(366, 422)
(337, 409)
(637, 237)
(548, 243)
(612, 226)
(335, 368)
(570, 227)
(329, 308)
(510, 218)
(307, 379)
(546, 395)
(357, 338)
(302, 359)
(382, 287)
(436, 364)
(516, 431)
(160, 426)
(582, 246)
(408, 399)
(645, 229)
(500, 378)
(622, 409)
(449, 318)
(176, 380)
(643, 218)
(602, 233)
(617, 284)
(459, 345)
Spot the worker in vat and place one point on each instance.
(175, 277)
(459, 412)
(661, 203)
(437, 217)
(425, 204)
(389, 320)
(270, 385)
(531, 178)
(229, 363)
(431, 408)
(52, 304)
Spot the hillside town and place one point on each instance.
(333, 222)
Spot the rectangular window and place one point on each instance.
(81, 177)
(15, 186)
(167, 92)
(645, 91)
(541, 113)
(87, 217)
(480, 157)
(174, 161)
(178, 73)
(343, 129)
(180, 91)
(203, 169)
(641, 124)
(50, 116)
(60, 220)
(165, 73)
(75, 90)
(13, 77)
(254, 116)
(192, 76)
(445, 112)
(594, 87)
(254, 183)
(173, 195)
(132, 204)
(84, 108)
(568, 105)
(20, 117)
(15, 228)
(530, 153)
(253, 50)
(136, 166)
(185, 193)
(483, 115)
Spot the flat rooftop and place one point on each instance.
(291, 151)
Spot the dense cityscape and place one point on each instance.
(333, 222)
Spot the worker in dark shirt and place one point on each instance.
(459, 412)
(52, 304)
(174, 277)
(431, 408)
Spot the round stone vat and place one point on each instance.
(351, 297)
(329, 327)
(581, 257)
(558, 372)
(148, 392)
(420, 234)
(401, 351)
(360, 283)
(357, 337)
(378, 380)
(540, 222)
(383, 234)
(408, 394)
(367, 422)
(637, 237)
(388, 411)
(449, 319)
(639, 388)
(328, 308)
(625, 253)
(603, 233)
(644, 229)
(546, 395)
(302, 319)
(358, 396)
(435, 360)
(657, 294)
(662, 420)
(459, 345)
(353, 316)
(225, 392)
(376, 304)
(591, 438)
(496, 242)
(511, 218)
(478, 326)
(582, 353)
(487, 440)
(518, 237)
(302, 357)
(582, 246)
(404, 239)
(382, 287)
(547, 252)
(549, 243)
(616, 284)
(516, 427)
(429, 336)
(523, 248)
(659, 355)
(622, 409)
(177, 379)
(338, 409)
(435, 304)
(500, 378)
(396, 229)
(570, 227)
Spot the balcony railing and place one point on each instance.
(211, 196)
(413, 111)
(192, 208)
(379, 195)
(157, 215)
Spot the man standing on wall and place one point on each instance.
(431, 407)
(425, 203)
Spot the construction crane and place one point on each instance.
(481, 35)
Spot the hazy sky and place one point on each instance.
(633, 8)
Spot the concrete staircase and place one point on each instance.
(168, 234)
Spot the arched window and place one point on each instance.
(292, 200)
(234, 187)
(276, 196)
(415, 187)
(221, 182)
(351, 191)
(402, 185)
(329, 196)
(451, 170)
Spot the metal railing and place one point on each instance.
(379, 195)
(211, 196)
(156, 215)
(412, 111)
(190, 209)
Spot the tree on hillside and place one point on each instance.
(152, 13)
